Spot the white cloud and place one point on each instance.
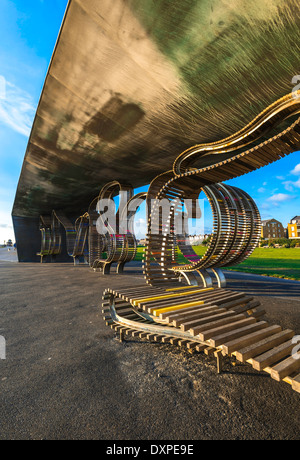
(280, 197)
(16, 108)
(261, 190)
(296, 170)
(6, 227)
(290, 185)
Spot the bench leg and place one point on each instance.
(121, 336)
(219, 356)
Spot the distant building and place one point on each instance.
(195, 240)
(272, 228)
(294, 228)
(142, 242)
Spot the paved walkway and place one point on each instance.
(66, 377)
(8, 255)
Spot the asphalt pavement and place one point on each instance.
(67, 377)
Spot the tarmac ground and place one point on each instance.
(67, 377)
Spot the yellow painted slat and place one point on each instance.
(157, 311)
(169, 296)
(183, 287)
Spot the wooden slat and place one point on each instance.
(183, 342)
(195, 299)
(129, 332)
(208, 300)
(234, 303)
(151, 336)
(209, 350)
(264, 345)
(166, 340)
(296, 383)
(109, 322)
(272, 356)
(249, 339)
(245, 307)
(203, 313)
(223, 329)
(198, 309)
(158, 311)
(143, 335)
(185, 326)
(165, 296)
(286, 367)
(258, 313)
(174, 340)
(158, 338)
(200, 347)
(235, 334)
(224, 324)
(135, 333)
(191, 345)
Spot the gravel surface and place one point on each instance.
(67, 377)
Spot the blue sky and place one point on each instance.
(28, 32)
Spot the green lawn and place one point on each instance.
(277, 262)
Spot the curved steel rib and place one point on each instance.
(84, 238)
(236, 224)
(236, 217)
(45, 229)
(265, 122)
(81, 240)
(76, 236)
(116, 239)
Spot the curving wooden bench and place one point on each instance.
(236, 231)
(213, 320)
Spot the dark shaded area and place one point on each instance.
(28, 239)
(115, 119)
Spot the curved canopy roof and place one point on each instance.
(132, 83)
